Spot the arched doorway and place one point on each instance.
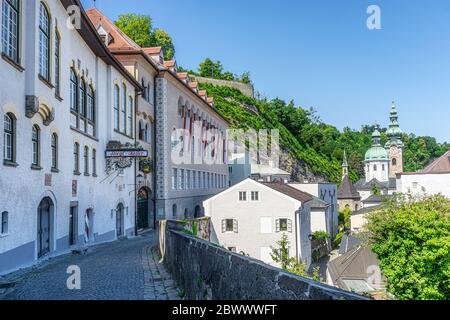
(197, 212)
(186, 213)
(143, 209)
(119, 220)
(45, 227)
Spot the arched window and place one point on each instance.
(83, 98)
(130, 111)
(57, 63)
(86, 160)
(94, 162)
(76, 158)
(54, 151)
(394, 161)
(9, 138)
(141, 130)
(36, 145)
(174, 210)
(4, 223)
(116, 107)
(73, 91)
(374, 167)
(144, 93)
(10, 34)
(91, 104)
(123, 110)
(44, 42)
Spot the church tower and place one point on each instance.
(394, 146)
(344, 166)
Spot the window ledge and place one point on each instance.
(4, 235)
(87, 175)
(94, 175)
(83, 133)
(10, 163)
(58, 97)
(13, 63)
(46, 82)
(54, 170)
(36, 167)
(76, 173)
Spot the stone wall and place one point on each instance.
(205, 271)
(246, 89)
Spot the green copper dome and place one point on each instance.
(376, 152)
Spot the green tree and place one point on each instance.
(138, 27)
(412, 240)
(160, 38)
(280, 253)
(211, 69)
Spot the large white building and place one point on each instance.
(434, 179)
(251, 216)
(64, 100)
(172, 101)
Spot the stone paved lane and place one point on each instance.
(123, 270)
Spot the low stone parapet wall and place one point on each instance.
(206, 271)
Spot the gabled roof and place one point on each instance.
(440, 165)
(367, 210)
(89, 34)
(376, 198)
(347, 190)
(354, 265)
(348, 243)
(170, 63)
(289, 191)
(120, 40)
(284, 189)
(152, 50)
(362, 184)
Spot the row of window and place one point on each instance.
(183, 179)
(11, 17)
(383, 167)
(9, 143)
(145, 133)
(86, 160)
(9, 148)
(281, 225)
(123, 111)
(82, 99)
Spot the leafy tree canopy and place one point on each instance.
(139, 28)
(412, 240)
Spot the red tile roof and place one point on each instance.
(170, 63)
(441, 164)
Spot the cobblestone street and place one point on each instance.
(123, 270)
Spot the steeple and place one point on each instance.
(394, 132)
(344, 166)
(394, 146)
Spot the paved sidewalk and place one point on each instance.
(122, 270)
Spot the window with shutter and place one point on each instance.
(277, 225)
(224, 226)
(235, 226)
(289, 225)
(283, 224)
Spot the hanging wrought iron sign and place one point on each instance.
(119, 157)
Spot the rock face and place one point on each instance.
(247, 89)
(300, 172)
(205, 271)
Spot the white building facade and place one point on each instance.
(64, 100)
(251, 217)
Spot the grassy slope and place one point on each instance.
(231, 104)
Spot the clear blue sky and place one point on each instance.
(321, 54)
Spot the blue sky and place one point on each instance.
(321, 54)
